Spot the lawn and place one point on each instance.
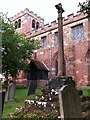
(20, 96)
(86, 91)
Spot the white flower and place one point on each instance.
(52, 105)
(50, 98)
(39, 103)
(42, 97)
(59, 117)
(44, 104)
(56, 93)
(19, 109)
(32, 101)
(36, 97)
(53, 90)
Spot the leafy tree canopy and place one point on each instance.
(85, 8)
(15, 49)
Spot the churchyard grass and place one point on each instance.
(20, 96)
(86, 91)
(39, 89)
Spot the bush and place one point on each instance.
(85, 91)
(39, 89)
(37, 114)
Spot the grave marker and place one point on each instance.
(69, 102)
(2, 97)
(32, 87)
(11, 92)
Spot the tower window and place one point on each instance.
(37, 25)
(33, 23)
(16, 24)
(19, 23)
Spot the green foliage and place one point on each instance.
(85, 8)
(86, 91)
(20, 96)
(39, 89)
(16, 49)
(20, 93)
(37, 114)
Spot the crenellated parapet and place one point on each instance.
(71, 18)
(26, 11)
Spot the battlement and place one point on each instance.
(26, 11)
(71, 18)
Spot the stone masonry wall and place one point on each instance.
(77, 52)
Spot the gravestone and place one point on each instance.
(2, 97)
(56, 82)
(11, 92)
(32, 87)
(69, 102)
(70, 81)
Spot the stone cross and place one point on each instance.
(69, 103)
(61, 62)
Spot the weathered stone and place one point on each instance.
(57, 83)
(32, 87)
(11, 92)
(69, 100)
(70, 81)
(2, 97)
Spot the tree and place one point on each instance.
(85, 8)
(15, 50)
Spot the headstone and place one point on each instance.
(57, 82)
(2, 97)
(69, 102)
(32, 87)
(11, 92)
(70, 81)
(62, 81)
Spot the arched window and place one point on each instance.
(19, 23)
(37, 25)
(33, 23)
(56, 38)
(56, 66)
(16, 24)
(44, 44)
(88, 56)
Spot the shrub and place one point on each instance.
(85, 91)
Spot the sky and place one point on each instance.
(44, 8)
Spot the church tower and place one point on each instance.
(26, 21)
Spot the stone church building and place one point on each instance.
(76, 36)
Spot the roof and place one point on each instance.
(40, 65)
